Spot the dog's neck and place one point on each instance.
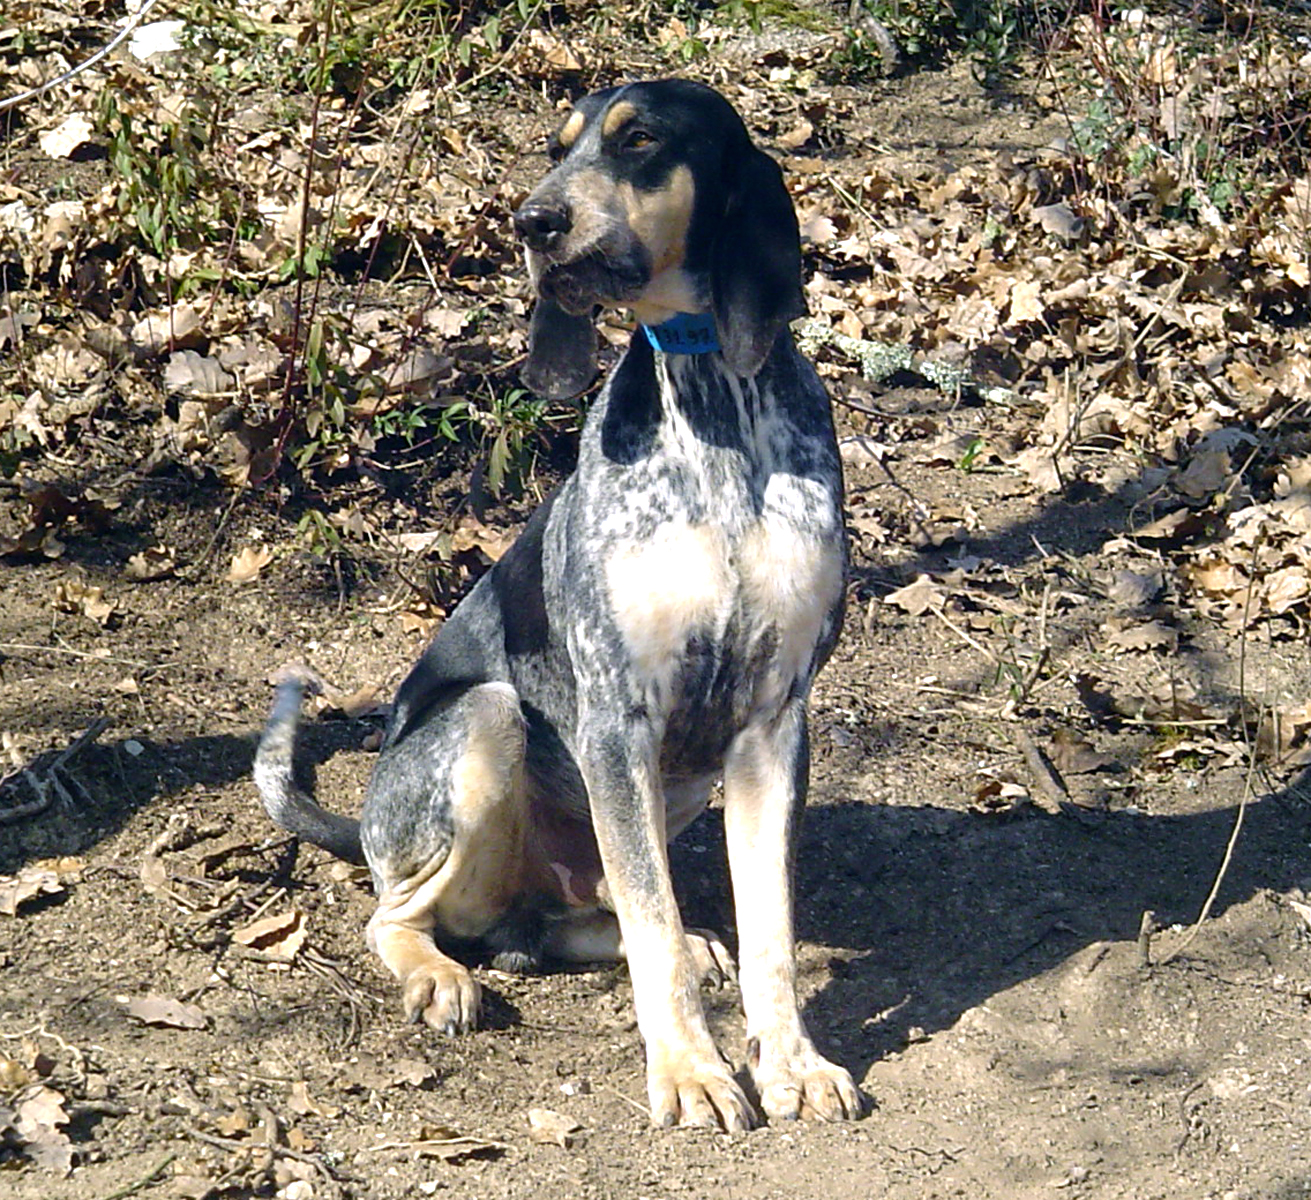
(700, 395)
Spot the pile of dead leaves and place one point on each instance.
(1144, 301)
(1160, 345)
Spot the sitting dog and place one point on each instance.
(656, 626)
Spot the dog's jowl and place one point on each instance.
(656, 627)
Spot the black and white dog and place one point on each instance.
(656, 626)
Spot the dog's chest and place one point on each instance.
(719, 607)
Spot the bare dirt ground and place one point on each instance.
(976, 963)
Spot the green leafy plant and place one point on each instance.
(971, 456)
(512, 430)
(330, 431)
(992, 31)
(319, 534)
(15, 440)
(168, 191)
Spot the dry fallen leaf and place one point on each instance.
(193, 374)
(66, 138)
(1060, 220)
(1072, 755)
(423, 624)
(1206, 473)
(279, 937)
(299, 1102)
(247, 563)
(819, 229)
(77, 596)
(154, 876)
(472, 534)
(373, 1074)
(1150, 635)
(918, 597)
(165, 329)
(365, 701)
(413, 1071)
(1045, 470)
(1215, 575)
(797, 136)
(546, 55)
(30, 882)
(234, 1123)
(417, 543)
(859, 450)
(344, 872)
(1283, 589)
(1000, 797)
(552, 1128)
(14, 1075)
(1133, 589)
(950, 452)
(39, 1112)
(1182, 523)
(1229, 753)
(165, 1011)
(153, 563)
(1027, 302)
(440, 1141)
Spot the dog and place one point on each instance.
(656, 626)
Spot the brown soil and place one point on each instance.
(979, 973)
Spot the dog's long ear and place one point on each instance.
(561, 352)
(755, 262)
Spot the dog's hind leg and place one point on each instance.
(443, 830)
(593, 936)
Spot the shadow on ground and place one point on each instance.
(100, 790)
(929, 912)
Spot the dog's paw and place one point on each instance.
(803, 1084)
(686, 1089)
(714, 964)
(444, 996)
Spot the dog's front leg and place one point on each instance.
(688, 1082)
(765, 780)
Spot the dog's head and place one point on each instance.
(660, 203)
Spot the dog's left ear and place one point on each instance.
(561, 352)
(755, 262)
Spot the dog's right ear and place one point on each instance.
(561, 352)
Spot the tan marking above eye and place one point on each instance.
(569, 132)
(619, 115)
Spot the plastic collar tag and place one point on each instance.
(684, 333)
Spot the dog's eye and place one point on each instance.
(638, 139)
(554, 151)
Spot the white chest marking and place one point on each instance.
(664, 589)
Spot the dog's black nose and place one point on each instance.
(542, 225)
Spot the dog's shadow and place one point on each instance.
(926, 911)
(930, 911)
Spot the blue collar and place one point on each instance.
(684, 333)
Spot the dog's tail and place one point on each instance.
(284, 800)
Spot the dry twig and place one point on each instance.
(50, 784)
(1050, 786)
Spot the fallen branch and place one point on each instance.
(48, 786)
(1045, 776)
